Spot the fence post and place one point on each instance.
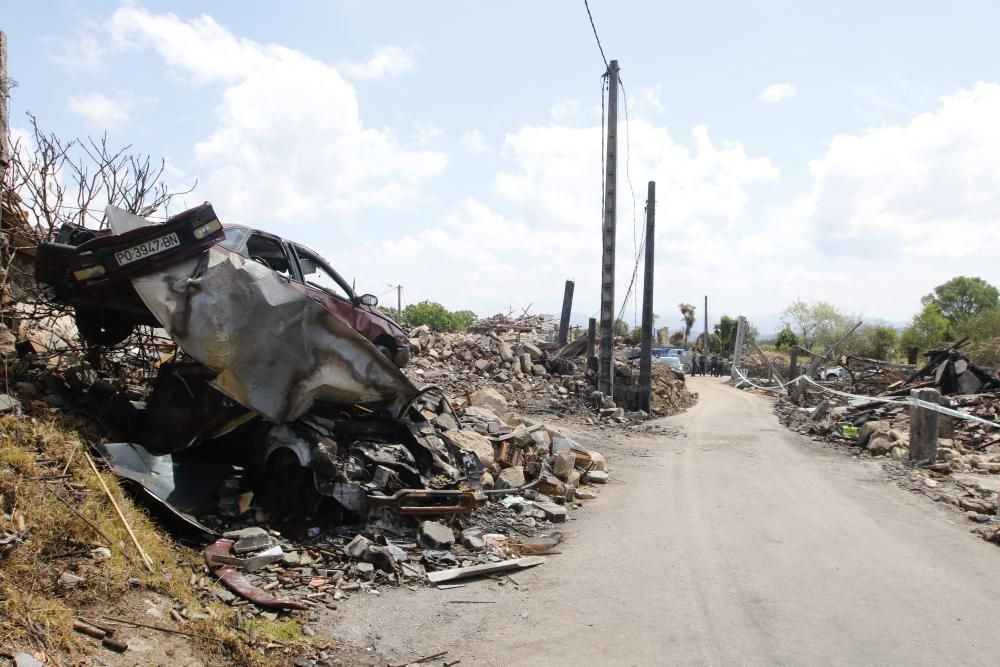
(924, 428)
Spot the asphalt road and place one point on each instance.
(734, 543)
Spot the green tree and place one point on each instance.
(463, 319)
(817, 324)
(875, 341)
(928, 329)
(621, 328)
(981, 327)
(437, 317)
(677, 338)
(962, 298)
(786, 339)
(714, 343)
(726, 331)
(687, 311)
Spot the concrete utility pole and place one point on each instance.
(399, 301)
(646, 360)
(606, 366)
(567, 307)
(923, 427)
(738, 349)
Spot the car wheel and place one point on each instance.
(288, 487)
(100, 327)
(686, 367)
(386, 347)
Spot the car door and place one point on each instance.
(322, 284)
(271, 252)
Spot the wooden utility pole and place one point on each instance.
(646, 360)
(567, 307)
(4, 109)
(591, 342)
(741, 324)
(606, 365)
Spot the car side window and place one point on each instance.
(315, 273)
(233, 238)
(268, 251)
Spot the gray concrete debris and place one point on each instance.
(554, 513)
(9, 405)
(510, 478)
(26, 660)
(434, 535)
(597, 477)
(489, 398)
(69, 580)
(250, 539)
(472, 538)
(563, 464)
(358, 547)
(470, 441)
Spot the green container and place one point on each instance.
(849, 431)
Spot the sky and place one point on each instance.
(846, 152)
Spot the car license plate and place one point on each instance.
(146, 249)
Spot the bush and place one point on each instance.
(437, 317)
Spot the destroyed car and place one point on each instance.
(92, 271)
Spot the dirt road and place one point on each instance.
(736, 542)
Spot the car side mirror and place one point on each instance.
(369, 300)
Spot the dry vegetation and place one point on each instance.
(43, 461)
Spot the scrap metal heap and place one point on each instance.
(293, 446)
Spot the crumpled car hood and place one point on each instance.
(275, 350)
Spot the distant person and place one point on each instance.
(714, 365)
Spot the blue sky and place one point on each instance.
(844, 152)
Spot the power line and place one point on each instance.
(600, 48)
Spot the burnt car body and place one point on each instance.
(276, 381)
(92, 271)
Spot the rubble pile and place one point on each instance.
(304, 460)
(512, 358)
(346, 509)
(754, 366)
(967, 454)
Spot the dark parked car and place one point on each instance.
(91, 270)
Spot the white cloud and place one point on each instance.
(385, 62)
(897, 187)
(426, 134)
(776, 92)
(648, 100)
(545, 223)
(474, 142)
(85, 51)
(101, 112)
(564, 109)
(289, 142)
